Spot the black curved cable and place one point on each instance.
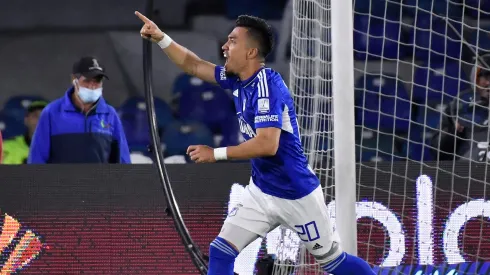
(196, 255)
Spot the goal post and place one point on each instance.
(322, 84)
(343, 123)
(395, 123)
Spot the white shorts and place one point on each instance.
(260, 213)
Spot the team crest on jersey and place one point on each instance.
(263, 105)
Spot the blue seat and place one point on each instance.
(379, 8)
(418, 148)
(202, 101)
(10, 126)
(479, 39)
(382, 103)
(311, 132)
(321, 143)
(181, 134)
(16, 106)
(477, 9)
(375, 38)
(430, 116)
(136, 128)
(317, 123)
(438, 83)
(427, 8)
(418, 144)
(376, 146)
(210, 105)
(134, 118)
(230, 132)
(433, 38)
(426, 125)
(185, 83)
(137, 105)
(315, 131)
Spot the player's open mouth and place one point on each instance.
(225, 55)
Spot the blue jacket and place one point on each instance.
(66, 135)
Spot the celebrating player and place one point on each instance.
(283, 189)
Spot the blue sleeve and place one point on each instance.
(268, 103)
(223, 80)
(124, 156)
(41, 140)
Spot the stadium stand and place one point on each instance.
(424, 50)
(135, 121)
(438, 82)
(182, 134)
(103, 15)
(375, 38)
(435, 38)
(127, 46)
(208, 104)
(382, 102)
(46, 71)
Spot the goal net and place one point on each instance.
(421, 132)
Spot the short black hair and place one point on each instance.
(260, 31)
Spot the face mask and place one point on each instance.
(87, 95)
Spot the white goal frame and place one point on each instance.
(344, 124)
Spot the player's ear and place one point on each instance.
(253, 53)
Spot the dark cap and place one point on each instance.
(36, 105)
(89, 67)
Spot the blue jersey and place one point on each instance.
(264, 101)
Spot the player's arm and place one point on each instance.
(269, 106)
(185, 59)
(265, 144)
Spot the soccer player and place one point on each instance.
(282, 189)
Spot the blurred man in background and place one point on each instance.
(463, 131)
(16, 150)
(80, 127)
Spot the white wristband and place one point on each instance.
(220, 154)
(165, 42)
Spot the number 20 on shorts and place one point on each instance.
(308, 232)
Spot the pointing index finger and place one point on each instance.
(142, 17)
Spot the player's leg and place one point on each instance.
(226, 247)
(308, 216)
(247, 221)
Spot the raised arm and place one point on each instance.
(185, 59)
